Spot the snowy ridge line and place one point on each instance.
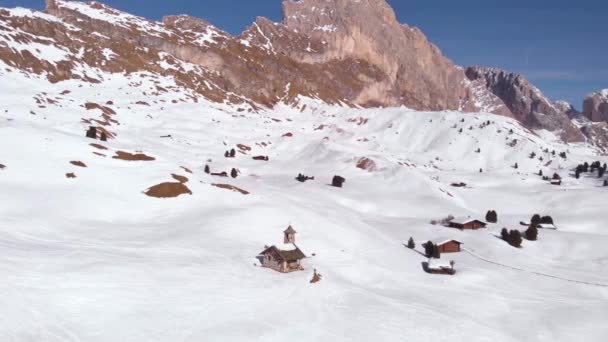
(532, 272)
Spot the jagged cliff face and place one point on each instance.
(595, 106)
(350, 52)
(526, 102)
(413, 71)
(341, 52)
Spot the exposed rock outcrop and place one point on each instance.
(526, 102)
(595, 106)
(341, 52)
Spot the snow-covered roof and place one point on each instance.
(437, 264)
(546, 226)
(466, 219)
(286, 246)
(440, 240)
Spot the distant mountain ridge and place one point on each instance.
(352, 53)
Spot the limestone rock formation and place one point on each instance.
(595, 106)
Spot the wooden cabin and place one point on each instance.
(440, 266)
(466, 223)
(338, 181)
(447, 245)
(286, 257)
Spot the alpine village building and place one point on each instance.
(447, 245)
(466, 223)
(284, 258)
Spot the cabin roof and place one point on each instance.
(290, 230)
(287, 252)
(438, 264)
(465, 220)
(441, 242)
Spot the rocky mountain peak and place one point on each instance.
(348, 52)
(595, 106)
(526, 102)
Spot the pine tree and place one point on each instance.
(535, 220)
(207, 169)
(515, 238)
(233, 173)
(532, 233)
(540, 173)
(410, 243)
(428, 249)
(492, 216)
(232, 153)
(436, 253)
(546, 220)
(504, 234)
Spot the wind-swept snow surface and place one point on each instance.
(94, 259)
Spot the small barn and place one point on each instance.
(447, 245)
(466, 223)
(440, 266)
(285, 257)
(338, 181)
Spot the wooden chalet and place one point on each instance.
(440, 266)
(286, 257)
(466, 223)
(447, 245)
(556, 182)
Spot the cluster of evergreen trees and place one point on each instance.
(512, 237)
(432, 250)
(230, 154)
(590, 168)
(492, 216)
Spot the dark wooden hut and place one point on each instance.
(338, 181)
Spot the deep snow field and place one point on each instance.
(93, 259)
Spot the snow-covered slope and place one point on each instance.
(93, 258)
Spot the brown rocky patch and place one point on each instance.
(99, 154)
(104, 109)
(366, 164)
(99, 147)
(288, 134)
(132, 157)
(168, 190)
(232, 188)
(179, 178)
(186, 169)
(78, 163)
(70, 175)
(2, 166)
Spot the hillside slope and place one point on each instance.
(93, 258)
(352, 53)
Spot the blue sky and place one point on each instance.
(560, 45)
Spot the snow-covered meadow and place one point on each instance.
(94, 259)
